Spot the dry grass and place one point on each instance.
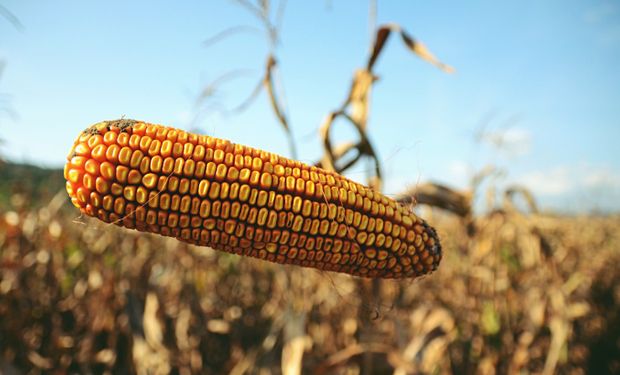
(524, 293)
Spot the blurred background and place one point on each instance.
(499, 119)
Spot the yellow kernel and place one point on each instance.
(188, 150)
(98, 153)
(233, 174)
(145, 142)
(149, 180)
(154, 147)
(314, 228)
(265, 181)
(261, 200)
(235, 208)
(121, 173)
(78, 161)
(164, 201)
(218, 156)
(278, 202)
(129, 192)
(173, 220)
(88, 181)
(141, 195)
(134, 177)
(297, 202)
(172, 134)
(200, 169)
(199, 153)
(124, 156)
(123, 139)
(255, 177)
(173, 184)
(195, 205)
(297, 223)
(75, 175)
(257, 164)
(224, 189)
(244, 175)
(112, 152)
(156, 163)
(306, 208)
(205, 208)
(144, 165)
(189, 168)
(214, 191)
(101, 185)
(300, 186)
(220, 172)
(82, 149)
(178, 166)
(116, 189)
(211, 168)
(166, 148)
(203, 188)
(310, 188)
(185, 203)
(95, 199)
(278, 170)
(109, 138)
(407, 221)
(107, 202)
(183, 186)
(167, 166)
(290, 183)
(119, 206)
(263, 213)
(272, 220)
(134, 141)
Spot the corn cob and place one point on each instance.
(212, 192)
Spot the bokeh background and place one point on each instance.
(506, 139)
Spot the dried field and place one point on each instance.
(523, 294)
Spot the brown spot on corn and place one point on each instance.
(211, 192)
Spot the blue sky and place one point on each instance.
(544, 75)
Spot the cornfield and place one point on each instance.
(525, 293)
(516, 292)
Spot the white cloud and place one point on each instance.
(581, 187)
(514, 141)
(556, 181)
(460, 171)
(604, 177)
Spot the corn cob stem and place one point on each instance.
(211, 192)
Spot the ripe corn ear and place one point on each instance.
(212, 192)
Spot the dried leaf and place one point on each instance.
(363, 146)
(440, 196)
(414, 46)
(422, 51)
(383, 33)
(269, 85)
(9, 16)
(512, 191)
(359, 96)
(276, 104)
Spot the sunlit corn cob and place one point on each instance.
(211, 192)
